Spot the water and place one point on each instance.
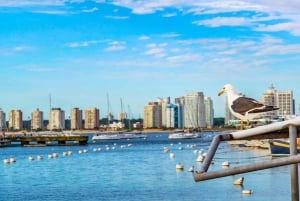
(138, 172)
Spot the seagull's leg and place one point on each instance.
(241, 125)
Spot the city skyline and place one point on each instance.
(79, 51)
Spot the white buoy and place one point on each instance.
(12, 160)
(172, 155)
(80, 151)
(50, 156)
(239, 181)
(225, 164)
(65, 153)
(99, 149)
(247, 192)
(179, 166)
(39, 157)
(200, 158)
(191, 169)
(6, 161)
(166, 149)
(31, 158)
(85, 151)
(55, 155)
(70, 153)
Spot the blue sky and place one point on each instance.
(81, 50)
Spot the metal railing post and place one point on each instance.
(294, 167)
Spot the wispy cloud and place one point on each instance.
(84, 43)
(157, 52)
(116, 46)
(185, 58)
(115, 17)
(170, 35)
(91, 10)
(224, 21)
(144, 38)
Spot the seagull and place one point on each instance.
(244, 108)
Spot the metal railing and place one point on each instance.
(284, 129)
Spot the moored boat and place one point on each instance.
(181, 134)
(281, 147)
(132, 135)
(106, 136)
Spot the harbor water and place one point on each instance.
(136, 169)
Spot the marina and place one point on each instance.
(136, 169)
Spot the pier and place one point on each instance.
(60, 140)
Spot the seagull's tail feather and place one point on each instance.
(266, 108)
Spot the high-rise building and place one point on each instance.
(15, 120)
(76, 118)
(36, 120)
(152, 115)
(180, 104)
(194, 110)
(92, 118)
(281, 99)
(164, 102)
(3, 125)
(209, 112)
(171, 116)
(56, 119)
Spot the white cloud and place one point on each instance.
(116, 46)
(185, 58)
(117, 17)
(224, 21)
(170, 35)
(91, 10)
(144, 38)
(84, 43)
(156, 52)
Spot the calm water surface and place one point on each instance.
(138, 172)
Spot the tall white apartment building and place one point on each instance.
(56, 119)
(209, 112)
(15, 120)
(3, 125)
(194, 110)
(92, 118)
(164, 102)
(76, 118)
(281, 99)
(37, 120)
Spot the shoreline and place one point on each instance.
(80, 132)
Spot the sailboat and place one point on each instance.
(108, 135)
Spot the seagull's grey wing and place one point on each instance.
(243, 104)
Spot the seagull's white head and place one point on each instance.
(225, 89)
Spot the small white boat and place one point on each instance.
(106, 136)
(181, 134)
(132, 135)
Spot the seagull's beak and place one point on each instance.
(221, 92)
